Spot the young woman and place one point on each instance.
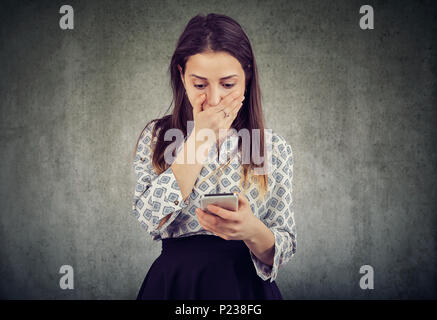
(220, 254)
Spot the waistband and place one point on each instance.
(202, 243)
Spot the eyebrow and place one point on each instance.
(223, 78)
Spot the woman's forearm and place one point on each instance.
(186, 173)
(262, 244)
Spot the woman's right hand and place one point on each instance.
(213, 117)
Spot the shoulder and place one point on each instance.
(280, 146)
(149, 128)
(145, 139)
(152, 127)
(149, 136)
(281, 157)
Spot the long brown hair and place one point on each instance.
(213, 32)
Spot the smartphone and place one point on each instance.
(227, 201)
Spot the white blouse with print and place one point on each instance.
(156, 196)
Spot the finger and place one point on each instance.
(206, 219)
(217, 229)
(223, 213)
(228, 100)
(235, 105)
(232, 96)
(205, 225)
(221, 234)
(237, 108)
(242, 200)
(234, 100)
(233, 114)
(197, 107)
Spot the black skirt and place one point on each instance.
(205, 267)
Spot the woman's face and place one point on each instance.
(215, 73)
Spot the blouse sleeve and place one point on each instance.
(280, 213)
(155, 196)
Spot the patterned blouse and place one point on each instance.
(156, 195)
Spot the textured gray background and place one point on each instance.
(358, 108)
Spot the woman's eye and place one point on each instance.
(226, 85)
(229, 85)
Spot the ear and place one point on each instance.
(182, 76)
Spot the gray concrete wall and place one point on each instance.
(357, 106)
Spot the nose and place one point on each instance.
(213, 96)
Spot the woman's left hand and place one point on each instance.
(230, 225)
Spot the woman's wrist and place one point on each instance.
(197, 150)
(261, 242)
(257, 228)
